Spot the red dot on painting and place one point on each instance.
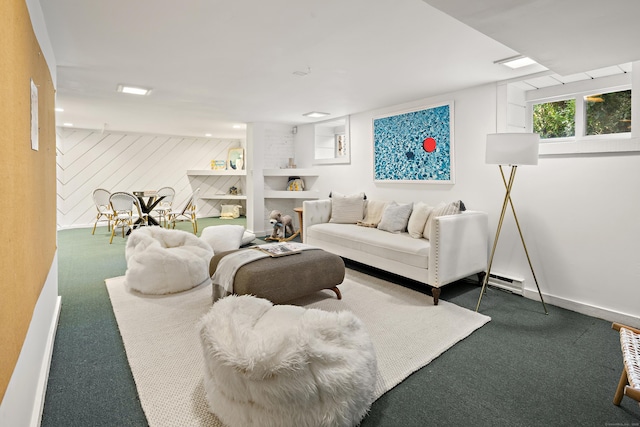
(429, 145)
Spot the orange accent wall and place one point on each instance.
(27, 181)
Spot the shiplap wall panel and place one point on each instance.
(121, 161)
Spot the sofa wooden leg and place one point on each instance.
(481, 277)
(435, 293)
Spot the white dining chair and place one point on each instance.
(126, 212)
(187, 213)
(101, 200)
(164, 206)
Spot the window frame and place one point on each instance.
(591, 144)
(580, 124)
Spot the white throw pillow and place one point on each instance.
(395, 217)
(247, 237)
(223, 237)
(440, 210)
(418, 219)
(347, 209)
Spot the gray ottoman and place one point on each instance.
(285, 278)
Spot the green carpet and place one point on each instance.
(521, 369)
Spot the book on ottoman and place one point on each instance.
(279, 249)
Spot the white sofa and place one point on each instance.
(458, 245)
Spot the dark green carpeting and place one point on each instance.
(521, 369)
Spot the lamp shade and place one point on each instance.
(512, 148)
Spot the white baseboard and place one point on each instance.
(587, 309)
(43, 377)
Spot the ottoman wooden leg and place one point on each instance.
(337, 291)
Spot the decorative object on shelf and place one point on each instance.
(415, 145)
(218, 165)
(235, 159)
(295, 183)
(230, 211)
(233, 191)
(512, 149)
(281, 225)
(291, 164)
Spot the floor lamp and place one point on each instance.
(511, 149)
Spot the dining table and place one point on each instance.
(148, 200)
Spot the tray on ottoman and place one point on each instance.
(281, 279)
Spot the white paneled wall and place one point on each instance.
(121, 161)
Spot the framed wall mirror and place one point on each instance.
(331, 142)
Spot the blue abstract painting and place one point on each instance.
(415, 146)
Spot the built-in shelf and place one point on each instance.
(276, 178)
(223, 197)
(270, 194)
(216, 172)
(290, 172)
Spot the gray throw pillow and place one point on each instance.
(395, 217)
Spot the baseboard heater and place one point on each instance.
(510, 284)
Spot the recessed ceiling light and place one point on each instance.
(60, 109)
(237, 126)
(133, 90)
(315, 114)
(516, 61)
(207, 134)
(67, 124)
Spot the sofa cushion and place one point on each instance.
(418, 219)
(395, 217)
(347, 209)
(397, 247)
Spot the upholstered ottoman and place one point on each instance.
(282, 279)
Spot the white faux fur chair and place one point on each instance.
(282, 365)
(161, 261)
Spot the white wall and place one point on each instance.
(269, 146)
(578, 213)
(125, 161)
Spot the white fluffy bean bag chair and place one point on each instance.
(282, 365)
(162, 261)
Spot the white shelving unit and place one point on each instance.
(201, 172)
(219, 173)
(277, 178)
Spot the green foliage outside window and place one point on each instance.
(555, 119)
(608, 113)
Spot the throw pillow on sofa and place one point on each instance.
(418, 219)
(441, 210)
(347, 209)
(373, 213)
(395, 217)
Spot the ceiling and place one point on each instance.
(218, 63)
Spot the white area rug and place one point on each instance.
(163, 345)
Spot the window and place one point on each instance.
(608, 113)
(585, 114)
(555, 119)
